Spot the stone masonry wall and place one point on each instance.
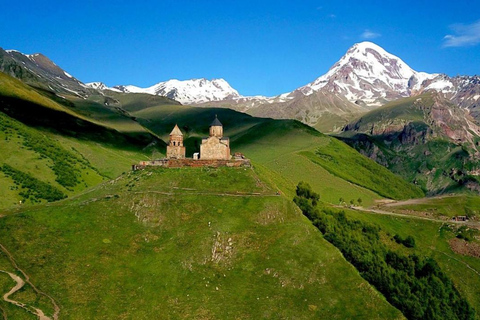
(180, 163)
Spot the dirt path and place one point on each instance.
(413, 201)
(222, 194)
(21, 282)
(403, 215)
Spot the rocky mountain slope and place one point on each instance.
(426, 139)
(39, 71)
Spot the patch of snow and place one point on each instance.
(100, 86)
(441, 85)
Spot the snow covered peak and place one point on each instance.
(189, 91)
(96, 85)
(369, 73)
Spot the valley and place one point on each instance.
(84, 237)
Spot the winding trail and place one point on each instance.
(20, 283)
(221, 194)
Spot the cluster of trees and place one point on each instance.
(408, 242)
(64, 161)
(32, 188)
(415, 285)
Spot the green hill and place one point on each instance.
(282, 150)
(48, 151)
(182, 243)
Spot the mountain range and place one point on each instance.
(365, 78)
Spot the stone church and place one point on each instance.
(214, 152)
(214, 147)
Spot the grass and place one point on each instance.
(346, 163)
(148, 245)
(39, 158)
(431, 239)
(288, 148)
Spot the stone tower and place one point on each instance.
(175, 149)
(216, 128)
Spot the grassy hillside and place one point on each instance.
(280, 150)
(48, 151)
(182, 243)
(296, 152)
(432, 239)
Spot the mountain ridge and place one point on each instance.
(363, 79)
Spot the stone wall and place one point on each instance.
(176, 152)
(180, 163)
(214, 148)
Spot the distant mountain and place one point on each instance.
(39, 71)
(188, 91)
(370, 74)
(365, 78)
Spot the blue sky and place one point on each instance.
(259, 47)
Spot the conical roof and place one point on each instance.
(176, 131)
(216, 123)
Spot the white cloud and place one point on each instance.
(464, 35)
(367, 34)
(332, 16)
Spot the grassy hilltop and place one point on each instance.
(183, 243)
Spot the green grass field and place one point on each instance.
(184, 243)
(189, 243)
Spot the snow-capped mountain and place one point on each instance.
(365, 78)
(188, 91)
(369, 73)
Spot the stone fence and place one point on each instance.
(180, 163)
